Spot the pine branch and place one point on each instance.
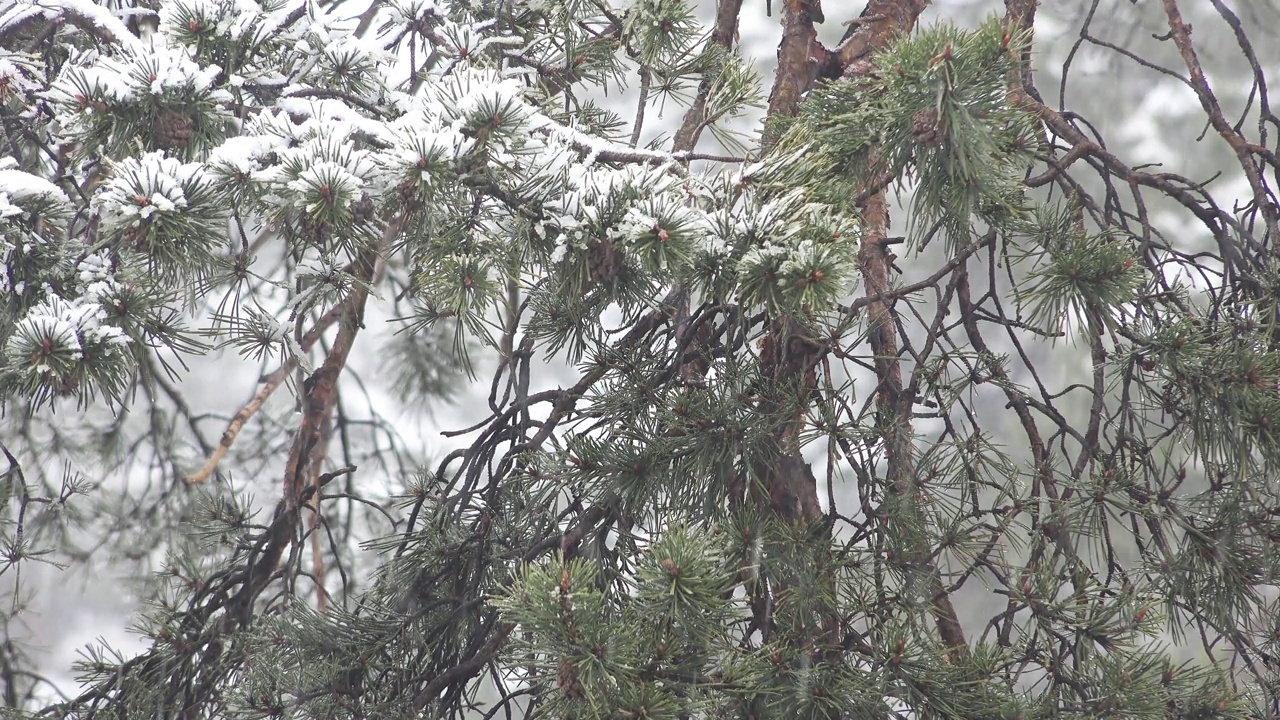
(724, 35)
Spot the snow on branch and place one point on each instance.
(99, 20)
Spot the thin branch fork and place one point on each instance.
(1181, 34)
(723, 35)
(320, 389)
(273, 381)
(269, 384)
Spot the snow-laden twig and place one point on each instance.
(603, 150)
(98, 19)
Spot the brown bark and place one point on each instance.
(1020, 16)
(784, 483)
(791, 486)
(1180, 33)
(695, 120)
(879, 24)
(320, 389)
(724, 34)
(789, 359)
(269, 385)
(800, 57)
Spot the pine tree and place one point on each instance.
(1016, 462)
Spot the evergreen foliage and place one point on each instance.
(1028, 471)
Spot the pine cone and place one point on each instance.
(567, 680)
(362, 210)
(137, 237)
(67, 385)
(174, 130)
(604, 260)
(925, 128)
(313, 230)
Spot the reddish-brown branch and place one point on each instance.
(1180, 32)
(800, 57)
(320, 389)
(314, 467)
(1020, 17)
(894, 407)
(1020, 14)
(686, 138)
(789, 358)
(1220, 223)
(695, 120)
(269, 385)
(881, 22)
